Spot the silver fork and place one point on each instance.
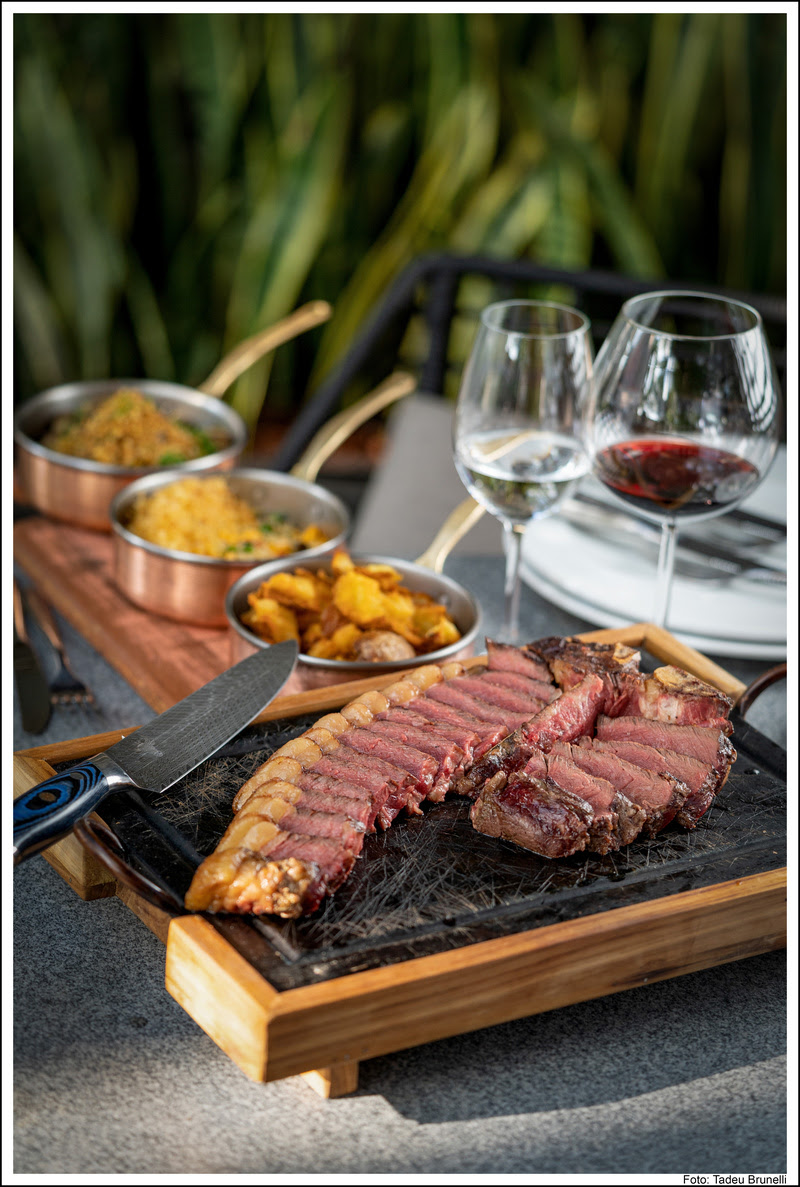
(65, 687)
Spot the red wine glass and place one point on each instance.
(683, 418)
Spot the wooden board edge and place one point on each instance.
(221, 991)
(385, 1010)
(335, 1024)
(88, 877)
(665, 646)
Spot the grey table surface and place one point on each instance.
(111, 1077)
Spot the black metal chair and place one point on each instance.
(431, 287)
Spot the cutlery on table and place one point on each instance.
(597, 518)
(65, 687)
(32, 687)
(156, 755)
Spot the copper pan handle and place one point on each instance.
(237, 361)
(457, 524)
(341, 426)
(104, 844)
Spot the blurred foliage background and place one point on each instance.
(182, 180)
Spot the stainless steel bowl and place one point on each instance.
(192, 588)
(311, 672)
(79, 491)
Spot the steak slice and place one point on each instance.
(463, 738)
(503, 698)
(569, 716)
(512, 680)
(329, 859)
(449, 694)
(534, 813)
(698, 776)
(377, 744)
(310, 823)
(362, 805)
(617, 820)
(503, 657)
(438, 713)
(392, 787)
(675, 696)
(706, 743)
(448, 757)
(660, 796)
(571, 660)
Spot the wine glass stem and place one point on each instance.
(666, 565)
(512, 544)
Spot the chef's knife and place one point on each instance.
(156, 755)
(32, 688)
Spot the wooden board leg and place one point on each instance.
(334, 1081)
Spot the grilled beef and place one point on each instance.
(503, 657)
(534, 813)
(616, 821)
(584, 762)
(672, 695)
(571, 715)
(705, 743)
(659, 796)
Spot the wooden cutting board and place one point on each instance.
(162, 660)
(322, 1028)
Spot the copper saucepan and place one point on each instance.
(424, 575)
(78, 490)
(191, 588)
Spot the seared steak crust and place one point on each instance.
(534, 813)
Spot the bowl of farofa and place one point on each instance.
(365, 617)
(80, 443)
(181, 541)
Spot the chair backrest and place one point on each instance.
(427, 320)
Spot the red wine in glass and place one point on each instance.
(679, 478)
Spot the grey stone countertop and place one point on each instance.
(112, 1077)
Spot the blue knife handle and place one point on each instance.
(49, 810)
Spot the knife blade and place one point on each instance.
(32, 687)
(593, 515)
(156, 755)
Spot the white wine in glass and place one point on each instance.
(517, 435)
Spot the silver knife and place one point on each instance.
(592, 515)
(32, 687)
(156, 755)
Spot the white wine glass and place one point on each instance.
(683, 420)
(517, 431)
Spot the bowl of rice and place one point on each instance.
(79, 444)
(181, 541)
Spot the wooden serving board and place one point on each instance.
(162, 660)
(322, 1023)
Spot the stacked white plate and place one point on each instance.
(610, 580)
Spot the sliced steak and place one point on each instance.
(534, 813)
(571, 660)
(698, 776)
(438, 713)
(709, 745)
(675, 696)
(503, 657)
(449, 694)
(660, 796)
(503, 698)
(616, 822)
(309, 823)
(332, 861)
(538, 688)
(362, 805)
(460, 736)
(568, 717)
(391, 787)
(379, 744)
(448, 757)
